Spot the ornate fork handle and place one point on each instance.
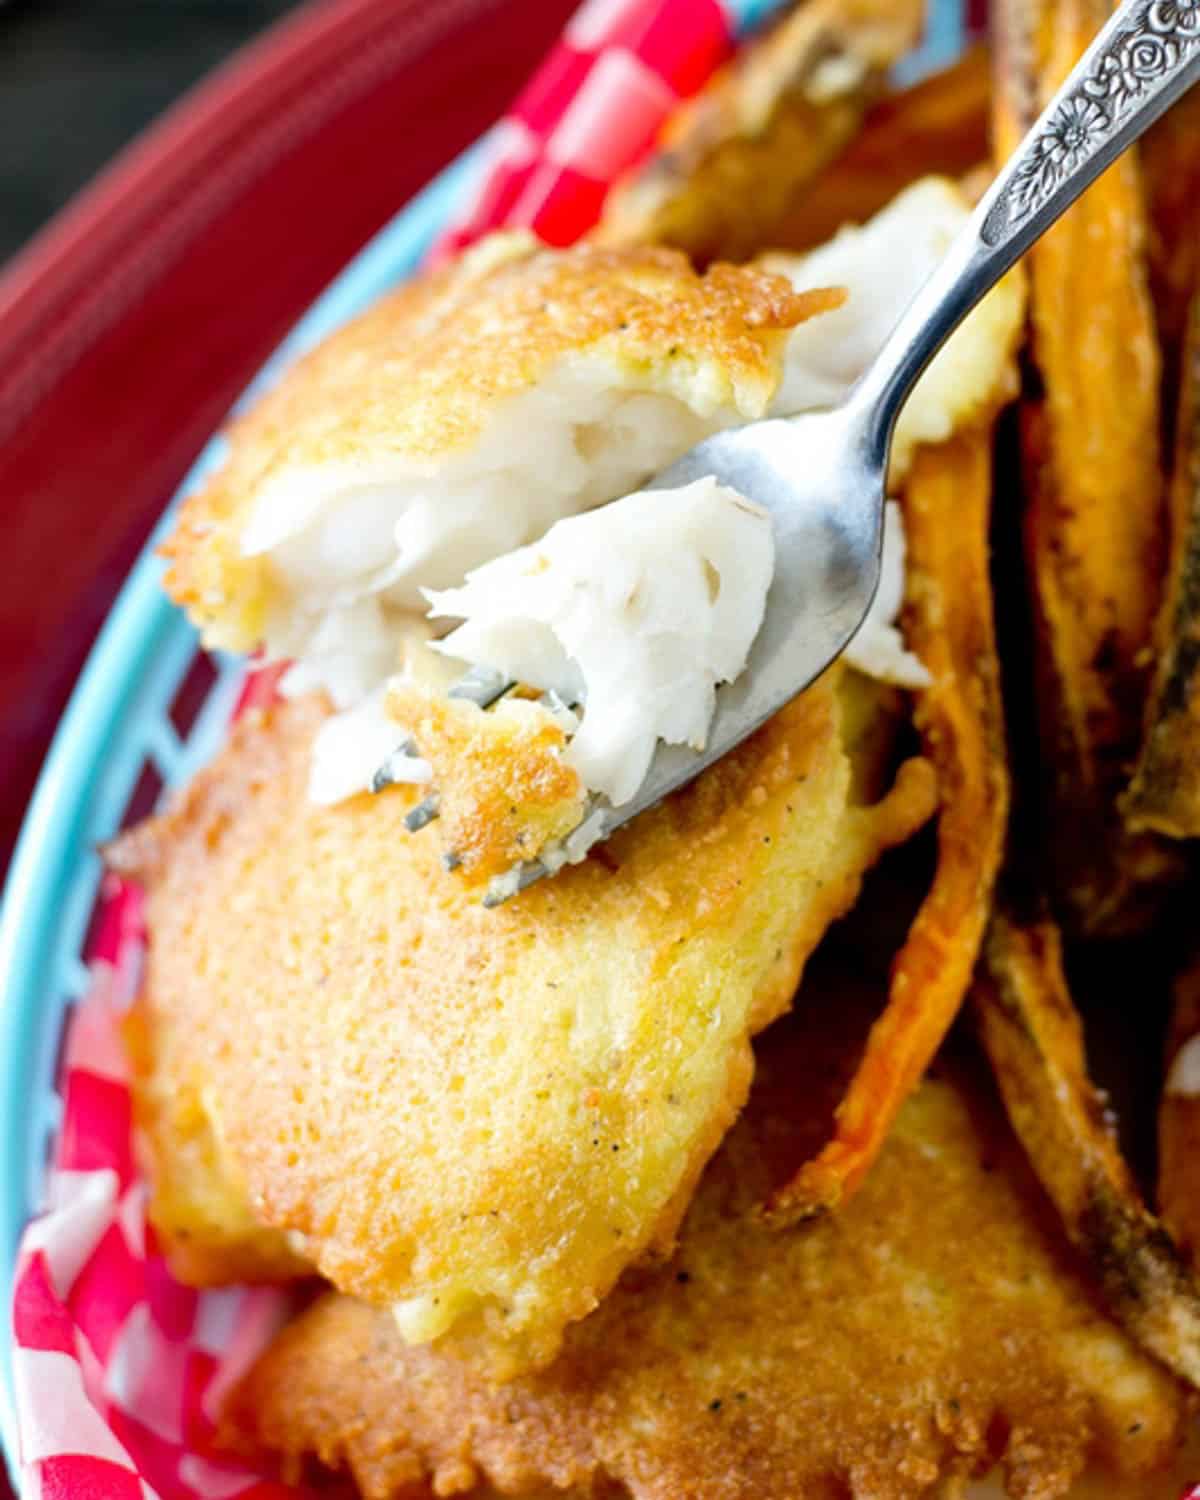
(1136, 60)
(1141, 62)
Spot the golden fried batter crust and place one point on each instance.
(417, 377)
(486, 1116)
(933, 1327)
(504, 790)
(199, 1206)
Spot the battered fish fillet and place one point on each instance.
(484, 1117)
(457, 419)
(934, 1327)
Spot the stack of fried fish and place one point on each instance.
(673, 1176)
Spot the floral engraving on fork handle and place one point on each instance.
(1138, 59)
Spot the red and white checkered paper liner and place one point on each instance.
(119, 1372)
(591, 111)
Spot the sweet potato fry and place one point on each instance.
(948, 623)
(733, 158)
(1034, 1038)
(937, 127)
(1179, 1117)
(1164, 793)
(1095, 524)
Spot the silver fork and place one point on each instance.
(821, 476)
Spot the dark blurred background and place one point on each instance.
(80, 78)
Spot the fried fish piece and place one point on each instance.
(933, 1328)
(453, 421)
(627, 619)
(481, 1118)
(731, 158)
(200, 1205)
(456, 419)
(1096, 518)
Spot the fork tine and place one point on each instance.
(517, 878)
(386, 775)
(423, 814)
(564, 714)
(568, 850)
(481, 686)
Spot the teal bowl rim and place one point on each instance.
(72, 807)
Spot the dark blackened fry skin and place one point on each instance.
(1034, 1038)
(1164, 794)
(1165, 791)
(1095, 525)
(1171, 173)
(420, 376)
